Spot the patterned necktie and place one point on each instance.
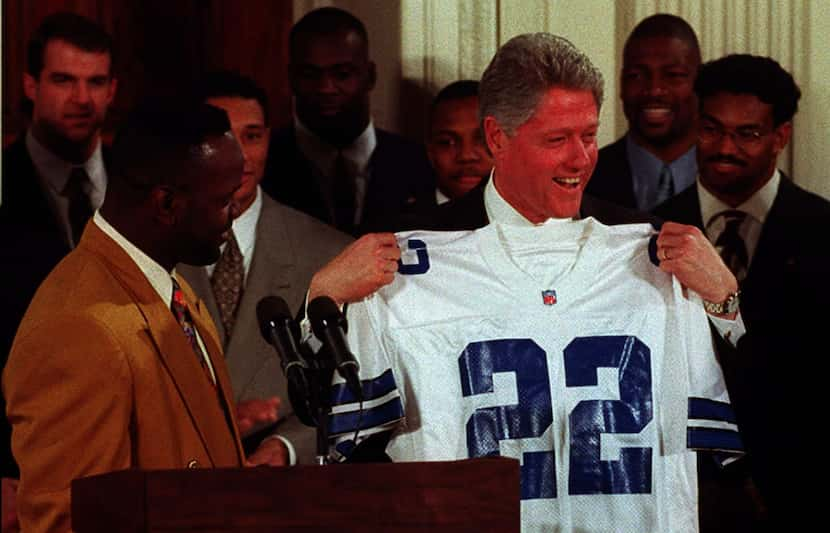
(80, 205)
(665, 187)
(228, 282)
(732, 246)
(179, 307)
(344, 194)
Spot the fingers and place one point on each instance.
(271, 452)
(257, 410)
(677, 235)
(382, 239)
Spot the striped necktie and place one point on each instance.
(731, 245)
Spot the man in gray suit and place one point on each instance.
(274, 250)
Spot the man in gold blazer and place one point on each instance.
(103, 375)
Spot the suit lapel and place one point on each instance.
(465, 213)
(683, 208)
(173, 349)
(774, 246)
(204, 324)
(273, 271)
(199, 280)
(615, 179)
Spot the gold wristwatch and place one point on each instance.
(726, 307)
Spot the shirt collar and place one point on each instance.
(501, 212)
(159, 278)
(55, 171)
(244, 226)
(440, 198)
(757, 206)
(316, 149)
(497, 208)
(645, 167)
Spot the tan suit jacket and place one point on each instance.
(290, 247)
(101, 377)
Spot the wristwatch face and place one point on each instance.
(728, 306)
(731, 304)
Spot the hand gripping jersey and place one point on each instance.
(570, 351)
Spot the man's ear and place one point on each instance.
(495, 136)
(113, 89)
(29, 86)
(372, 75)
(167, 204)
(782, 135)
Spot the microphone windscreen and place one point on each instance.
(322, 311)
(270, 310)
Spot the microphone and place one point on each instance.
(328, 324)
(275, 324)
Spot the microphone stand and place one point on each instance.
(320, 377)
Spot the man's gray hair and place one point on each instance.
(526, 67)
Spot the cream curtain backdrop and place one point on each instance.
(421, 45)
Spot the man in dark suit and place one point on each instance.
(656, 157)
(54, 174)
(333, 163)
(774, 236)
(275, 250)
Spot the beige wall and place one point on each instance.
(421, 45)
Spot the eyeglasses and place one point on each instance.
(744, 138)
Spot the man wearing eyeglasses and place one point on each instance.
(774, 236)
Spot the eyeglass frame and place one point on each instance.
(745, 137)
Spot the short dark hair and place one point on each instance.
(665, 25)
(759, 76)
(226, 83)
(456, 90)
(159, 139)
(325, 21)
(75, 29)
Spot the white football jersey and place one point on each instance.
(560, 345)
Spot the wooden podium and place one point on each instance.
(470, 495)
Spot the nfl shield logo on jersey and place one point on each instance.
(549, 297)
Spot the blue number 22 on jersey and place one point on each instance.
(533, 415)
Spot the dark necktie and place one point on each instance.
(228, 282)
(665, 186)
(179, 307)
(732, 246)
(80, 205)
(343, 189)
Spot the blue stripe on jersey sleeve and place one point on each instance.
(377, 416)
(714, 439)
(372, 388)
(706, 409)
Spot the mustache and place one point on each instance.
(722, 158)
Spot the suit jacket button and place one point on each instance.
(193, 463)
